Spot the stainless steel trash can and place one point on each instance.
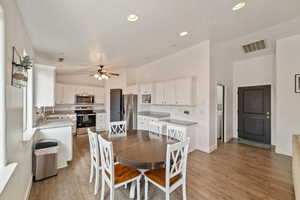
(45, 159)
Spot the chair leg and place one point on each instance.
(112, 192)
(167, 195)
(97, 181)
(138, 189)
(102, 188)
(146, 189)
(91, 172)
(184, 191)
(132, 190)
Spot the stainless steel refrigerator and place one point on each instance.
(130, 102)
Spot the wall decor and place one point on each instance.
(297, 83)
(20, 65)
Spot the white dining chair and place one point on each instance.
(95, 159)
(115, 175)
(156, 127)
(176, 132)
(174, 175)
(118, 128)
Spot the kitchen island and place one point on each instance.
(60, 130)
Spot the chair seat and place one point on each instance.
(123, 173)
(159, 176)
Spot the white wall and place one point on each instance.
(193, 61)
(254, 72)
(220, 73)
(16, 150)
(84, 79)
(287, 101)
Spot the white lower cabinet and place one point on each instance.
(65, 143)
(143, 122)
(101, 122)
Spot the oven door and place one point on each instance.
(85, 121)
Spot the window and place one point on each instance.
(2, 89)
(28, 107)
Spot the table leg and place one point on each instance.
(132, 190)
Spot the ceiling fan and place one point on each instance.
(102, 74)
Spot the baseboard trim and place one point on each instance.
(213, 148)
(28, 189)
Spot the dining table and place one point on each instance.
(139, 149)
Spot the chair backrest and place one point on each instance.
(176, 160)
(94, 147)
(117, 128)
(107, 159)
(176, 132)
(156, 127)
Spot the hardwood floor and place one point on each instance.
(234, 171)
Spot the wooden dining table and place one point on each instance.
(140, 149)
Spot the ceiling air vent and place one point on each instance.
(255, 46)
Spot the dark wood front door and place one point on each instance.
(254, 113)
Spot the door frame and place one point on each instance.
(225, 136)
(235, 108)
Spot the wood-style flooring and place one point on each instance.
(234, 171)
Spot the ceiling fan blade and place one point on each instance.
(113, 74)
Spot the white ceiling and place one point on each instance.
(81, 29)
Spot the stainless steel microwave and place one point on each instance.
(84, 99)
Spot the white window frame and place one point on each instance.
(28, 130)
(2, 91)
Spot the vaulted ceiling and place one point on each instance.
(81, 30)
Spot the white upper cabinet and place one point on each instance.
(146, 88)
(132, 89)
(165, 93)
(184, 91)
(69, 94)
(159, 93)
(175, 92)
(65, 94)
(99, 95)
(59, 93)
(169, 91)
(44, 81)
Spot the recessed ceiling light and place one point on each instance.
(239, 6)
(183, 33)
(132, 18)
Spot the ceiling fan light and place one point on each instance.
(96, 75)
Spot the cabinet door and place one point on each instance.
(146, 89)
(100, 122)
(59, 93)
(169, 92)
(69, 94)
(183, 88)
(99, 95)
(44, 87)
(159, 93)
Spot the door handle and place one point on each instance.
(268, 113)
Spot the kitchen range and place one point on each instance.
(86, 118)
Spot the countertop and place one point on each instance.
(179, 122)
(154, 114)
(99, 111)
(61, 112)
(69, 112)
(54, 124)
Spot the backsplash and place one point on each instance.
(73, 107)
